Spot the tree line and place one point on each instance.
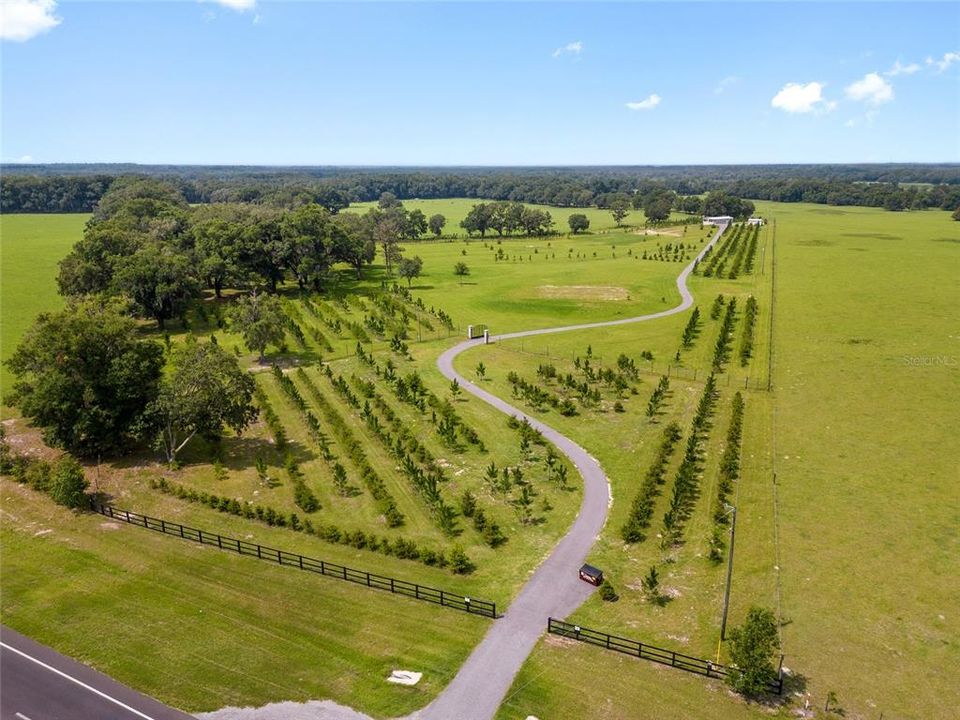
(67, 188)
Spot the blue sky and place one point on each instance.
(254, 82)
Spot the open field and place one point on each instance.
(30, 248)
(858, 429)
(456, 209)
(863, 412)
(152, 612)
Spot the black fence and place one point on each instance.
(321, 567)
(649, 652)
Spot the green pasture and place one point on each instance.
(857, 543)
(859, 430)
(153, 611)
(456, 209)
(30, 248)
(543, 283)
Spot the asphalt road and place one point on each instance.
(37, 683)
(555, 589)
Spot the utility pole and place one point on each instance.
(726, 593)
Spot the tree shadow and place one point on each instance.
(240, 453)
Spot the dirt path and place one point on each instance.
(554, 590)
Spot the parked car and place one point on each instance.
(592, 575)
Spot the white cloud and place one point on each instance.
(21, 20)
(727, 82)
(571, 48)
(648, 104)
(238, 5)
(800, 98)
(945, 62)
(871, 88)
(24, 159)
(899, 69)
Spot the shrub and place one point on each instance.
(751, 649)
(37, 474)
(459, 562)
(607, 593)
(67, 484)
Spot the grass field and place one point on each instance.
(860, 432)
(152, 611)
(30, 248)
(456, 209)
(857, 544)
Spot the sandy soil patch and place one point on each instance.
(671, 233)
(583, 292)
(558, 641)
(311, 710)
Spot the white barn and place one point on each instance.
(755, 221)
(717, 220)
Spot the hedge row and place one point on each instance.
(686, 483)
(354, 449)
(63, 480)
(721, 351)
(749, 323)
(658, 395)
(271, 418)
(537, 396)
(399, 547)
(729, 472)
(425, 482)
(641, 511)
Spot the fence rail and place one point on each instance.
(648, 652)
(445, 598)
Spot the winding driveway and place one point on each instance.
(554, 590)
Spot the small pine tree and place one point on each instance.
(607, 592)
(560, 476)
(340, 479)
(262, 474)
(459, 562)
(651, 585)
(468, 504)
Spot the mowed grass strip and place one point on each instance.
(566, 679)
(867, 375)
(152, 611)
(31, 246)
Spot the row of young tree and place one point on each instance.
(729, 472)
(456, 559)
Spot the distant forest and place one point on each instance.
(78, 188)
